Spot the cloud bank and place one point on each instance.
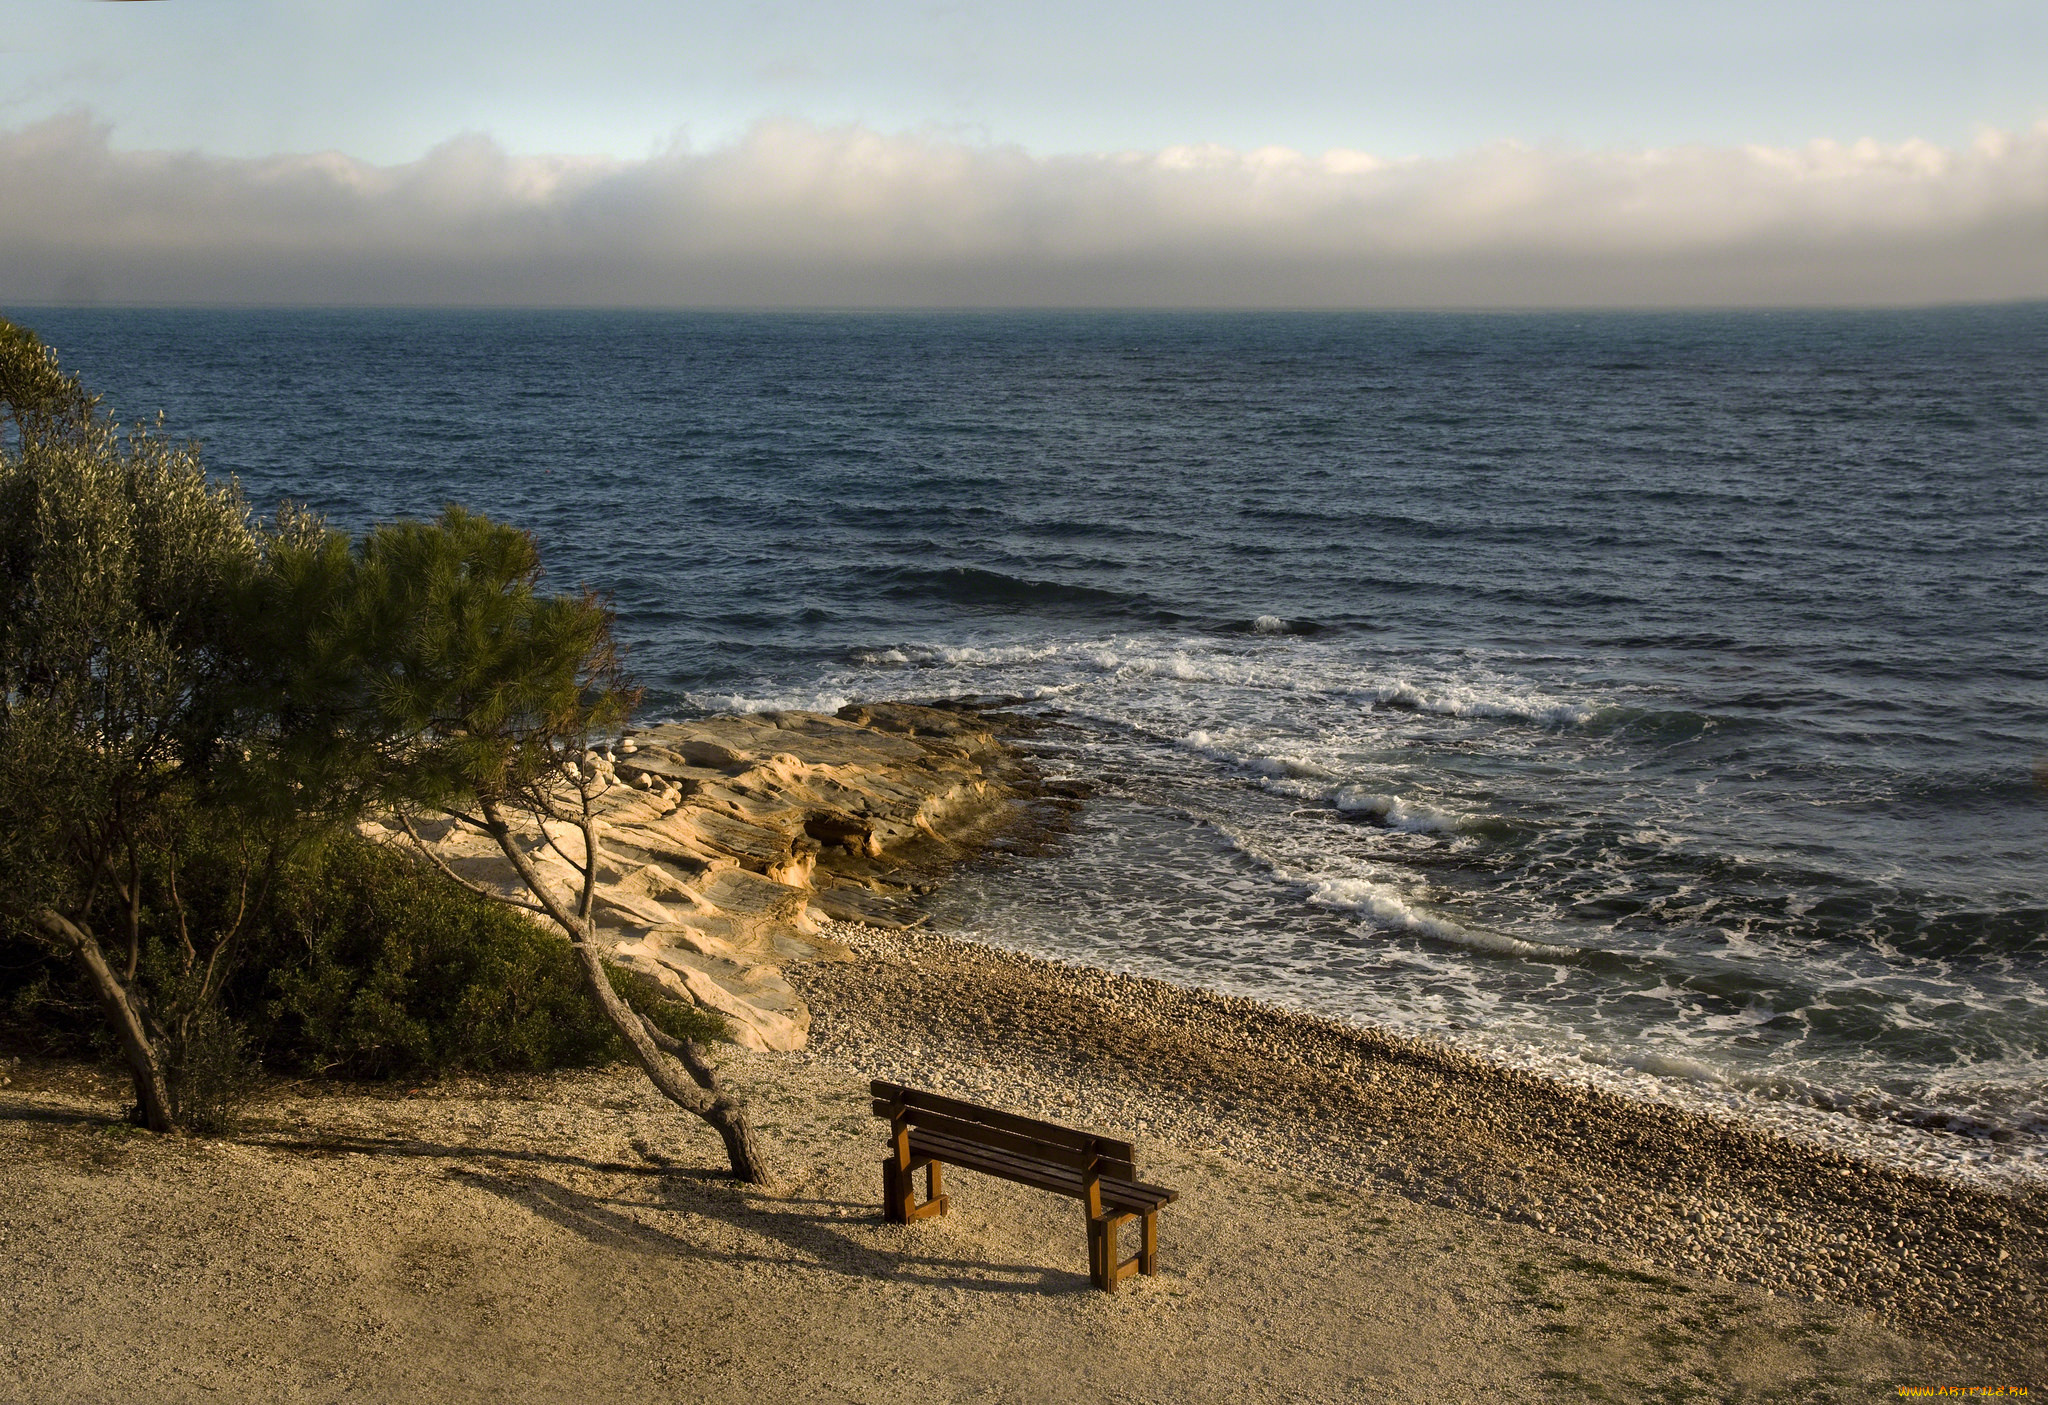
(795, 215)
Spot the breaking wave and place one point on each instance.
(1388, 911)
(1396, 813)
(1456, 701)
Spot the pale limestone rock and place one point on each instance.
(724, 844)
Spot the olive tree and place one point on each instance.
(427, 655)
(120, 566)
(39, 402)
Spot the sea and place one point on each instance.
(1657, 702)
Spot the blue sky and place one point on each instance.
(885, 152)
(385, 81)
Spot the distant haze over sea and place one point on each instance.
(796, 215)
(1647, 699)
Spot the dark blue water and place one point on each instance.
(1652, 699)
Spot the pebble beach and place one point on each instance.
(1294, 1094)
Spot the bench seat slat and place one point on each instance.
(885, 1091)
(1117, 1193)
(1028, 1147)
(1118, 1197)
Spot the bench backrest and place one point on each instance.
(1006, 1131)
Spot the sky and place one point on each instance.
(881, 152)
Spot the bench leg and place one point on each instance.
(1148, 1256)
(935, 1203)
(896, 1192)
(1106, 1267)
(899, 1192)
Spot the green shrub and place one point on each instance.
(45, 1010)
(380, 967)
(360, 962)
(210, 1070)
(675, 1017)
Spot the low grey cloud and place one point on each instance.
(797, 215)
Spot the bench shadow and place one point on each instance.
(819, 1233)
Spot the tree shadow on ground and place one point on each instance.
(12, 1111)
(361, 1144)
(830, 1236)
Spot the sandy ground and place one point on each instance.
(571, 1238)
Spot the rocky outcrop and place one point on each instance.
(725, 843)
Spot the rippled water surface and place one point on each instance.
(1652, 699)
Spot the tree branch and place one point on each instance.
(427, 851)
(529, 875)
(549, 840)
(177, 907)
(587, 822)
(134, 899)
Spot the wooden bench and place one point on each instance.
(926, 1130)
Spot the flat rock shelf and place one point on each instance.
(728, 843)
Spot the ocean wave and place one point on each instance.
(1386, 910)
(1396, 813)
(1666, 725)
(1459, 701)
(972, 585)
(1971, 1114)
(952, 655)
(1275, 624)
(1659, 1064)
(1183, 665)
(1274, 767)
(797, 700)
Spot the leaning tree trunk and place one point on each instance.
(701, 1097)
(707, 1101)
(729, 1118)
(152, 1097)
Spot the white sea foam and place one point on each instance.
(956, 655)
(1463, 701)
(1659, 1064)
(1182, 665)
(1387, 910)
(1279, 766)
(796, 701)
(1269, 624)
(1396, 813)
